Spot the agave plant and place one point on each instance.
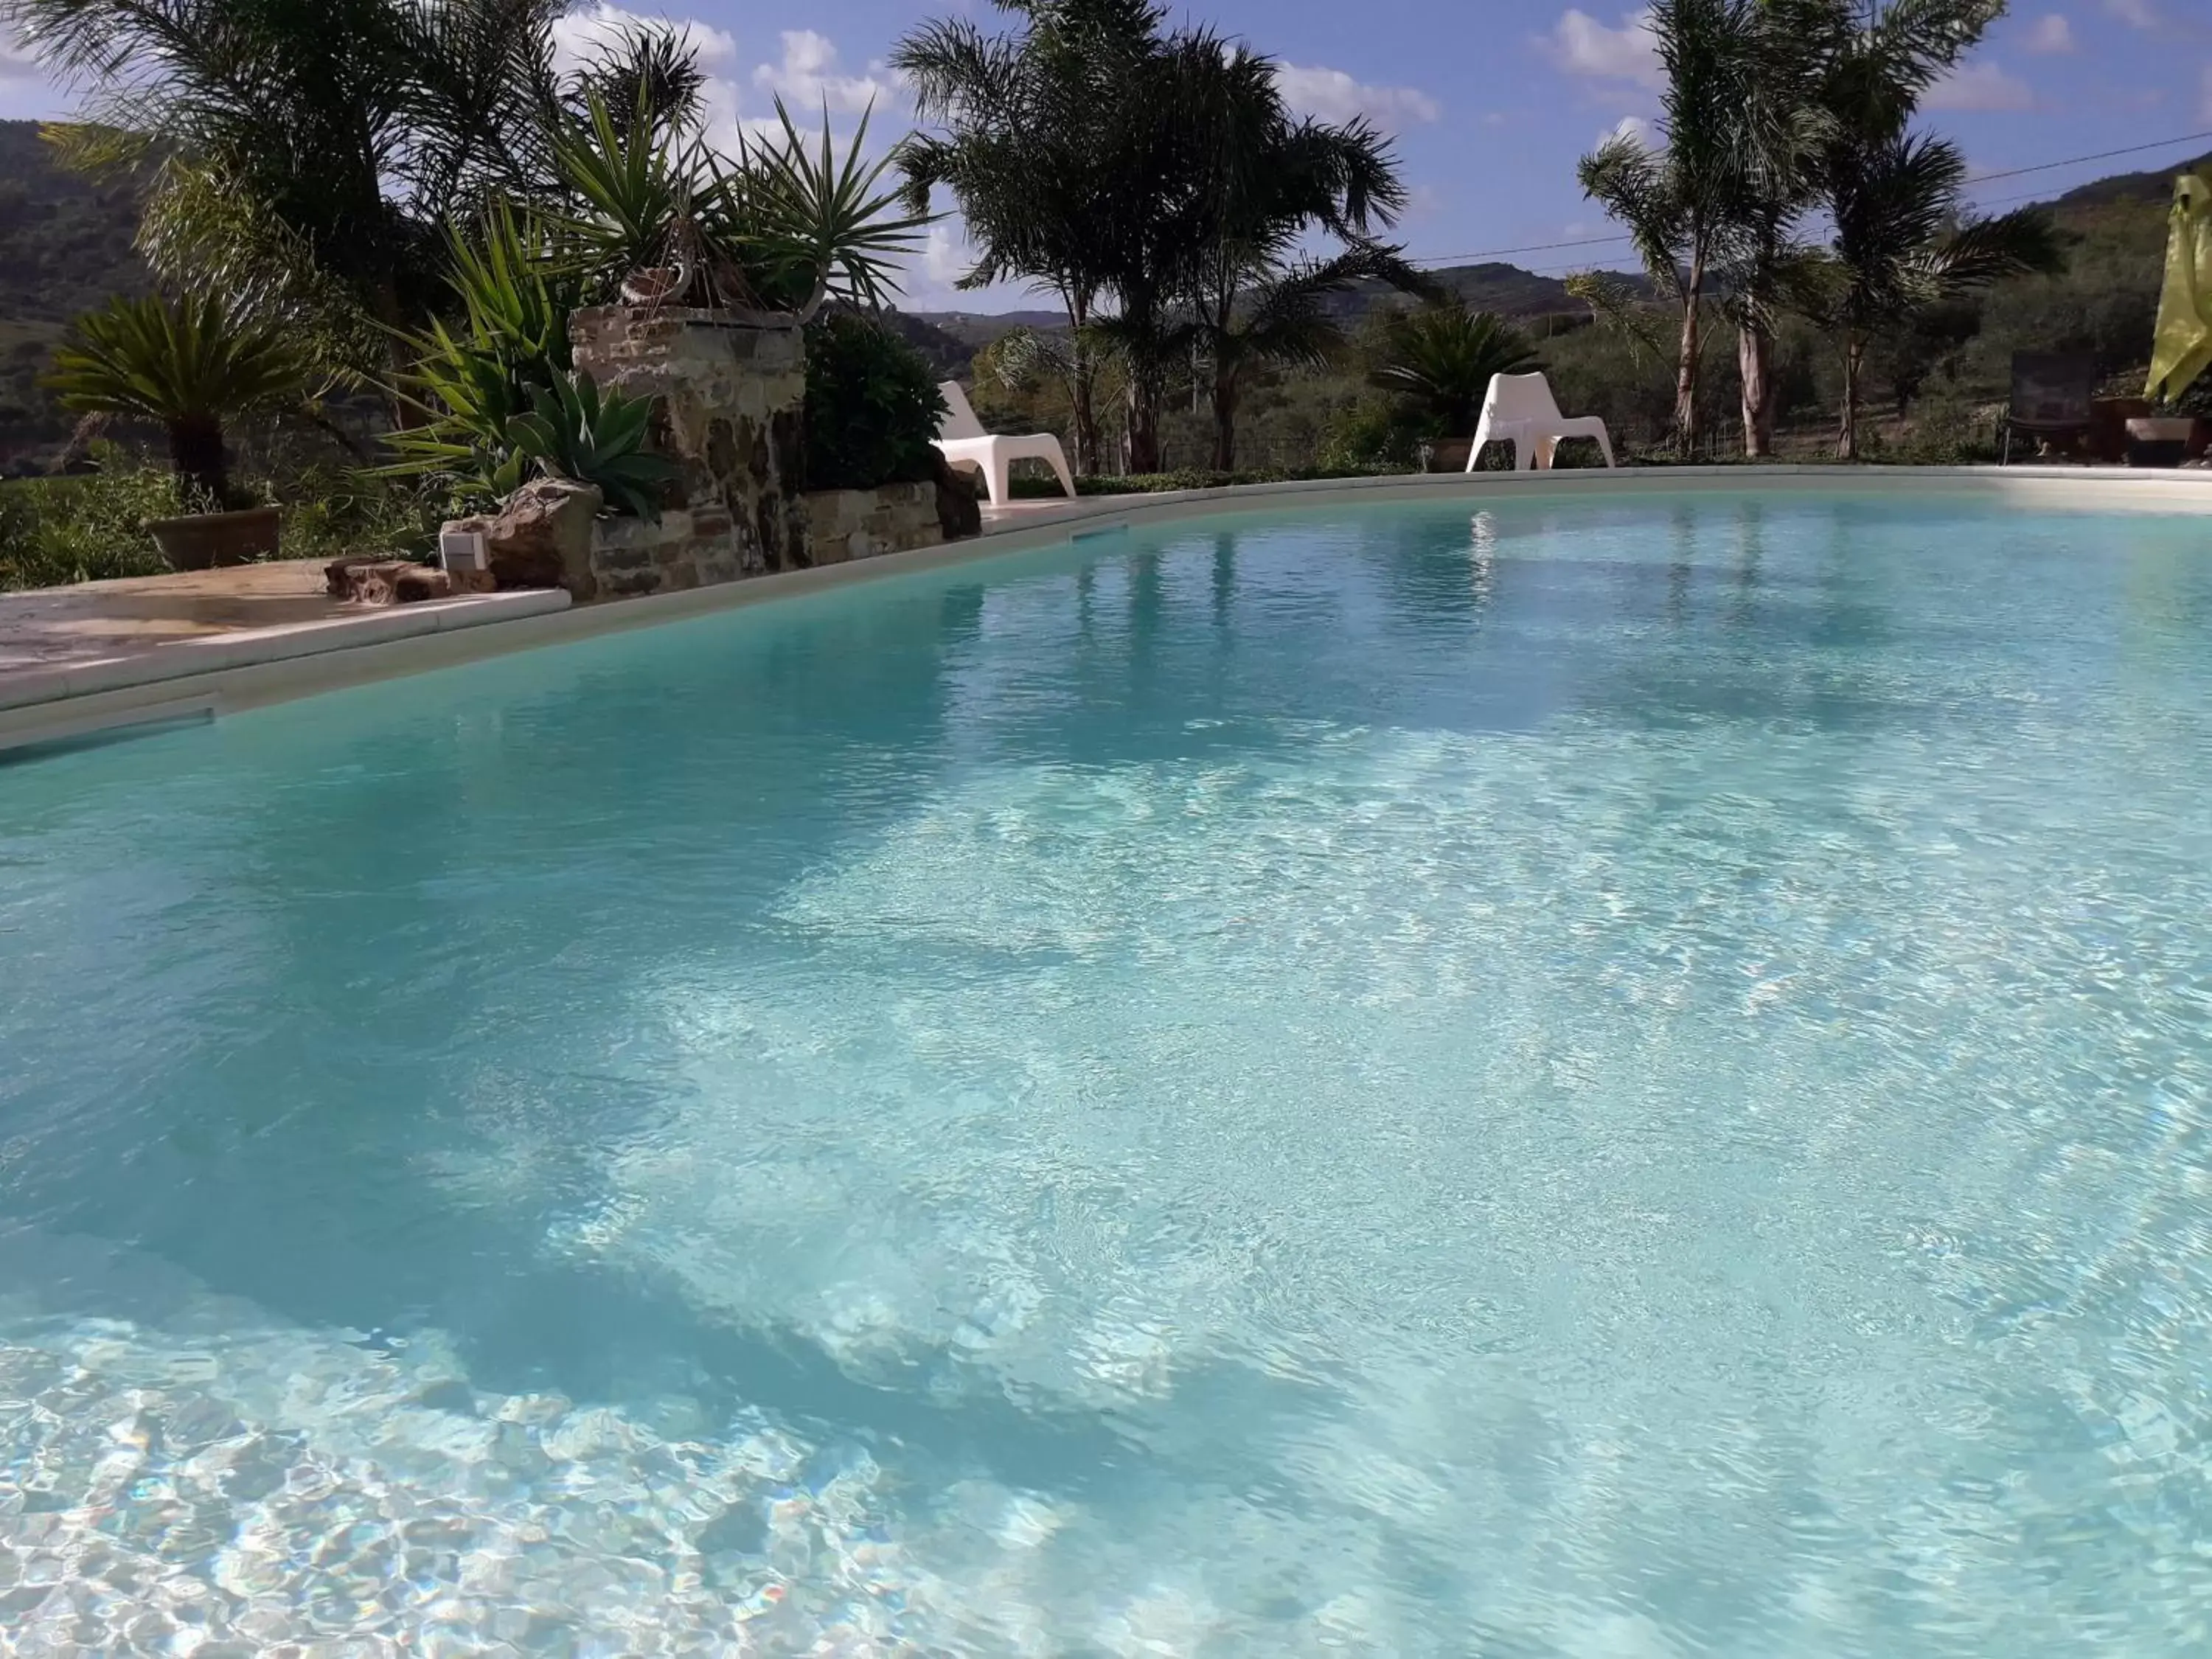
(575, 431)
(473, 378)
(187, 366)
(783, 226)
(1439, 358)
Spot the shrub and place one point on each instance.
(87, 528)
(873, 405)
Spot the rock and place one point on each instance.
(958, 511)
(371, 581)
(541, 536)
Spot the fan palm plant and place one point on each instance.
(187, 366)
(1439, 359)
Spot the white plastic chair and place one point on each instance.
(964, 443)
(1520, 408)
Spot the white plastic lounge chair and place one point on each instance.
(1520, 409)
(964, 443)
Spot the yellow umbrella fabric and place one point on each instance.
(2183, 345)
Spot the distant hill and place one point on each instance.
(64, 246)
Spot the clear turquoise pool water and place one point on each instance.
(1623, 1080)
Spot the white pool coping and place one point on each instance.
(248, 669)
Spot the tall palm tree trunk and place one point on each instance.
(1082, 384)
(1686, 363)
(1143, 442)
(1754, 353)
(1847, 428)
(1225, 420)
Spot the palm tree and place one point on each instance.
(1032, 122)
(1901, 248)
(187, 366)
(1440, 357)
(1897, 201)
(1676, 201)
(1263, 182)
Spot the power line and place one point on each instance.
(2101, 156)
(1979, 179)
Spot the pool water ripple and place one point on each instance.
(1611, 1080)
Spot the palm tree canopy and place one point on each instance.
(171, 360)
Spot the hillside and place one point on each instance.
(65, 246)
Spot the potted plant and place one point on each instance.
(1438, 359)
(187, 366)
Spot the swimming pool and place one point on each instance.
(1621, 1078)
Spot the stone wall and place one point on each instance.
(729, 392)
(860, 524)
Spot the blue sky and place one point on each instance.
(1491, 104)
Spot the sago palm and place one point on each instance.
(186, 365)
(1440, 357)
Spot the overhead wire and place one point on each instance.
(1979, 179)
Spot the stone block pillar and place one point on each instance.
(729, 392)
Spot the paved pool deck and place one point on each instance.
(83, 659)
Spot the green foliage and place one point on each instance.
(574, 431)
(187, 366)
(1379, 433)
(473, 379)
(1439, 359)
(91, 526)
(873, 405)
(86, 528)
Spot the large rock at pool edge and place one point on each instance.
(958, 512)
(541, 536)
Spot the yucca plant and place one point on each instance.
(1440, 356)
(575, 431)
(186, 365)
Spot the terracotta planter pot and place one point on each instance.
(202, 541)
(1446, 454)
(2160, 441)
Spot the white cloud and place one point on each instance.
(576, 36)
(579, 34)
(807, 78)
(1980, 85)
(2051, 33)
(1332, 95)
(16, 63)
(1632, 126)
(1580, 44)
(2136, 14)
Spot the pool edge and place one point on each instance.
(235, 673)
